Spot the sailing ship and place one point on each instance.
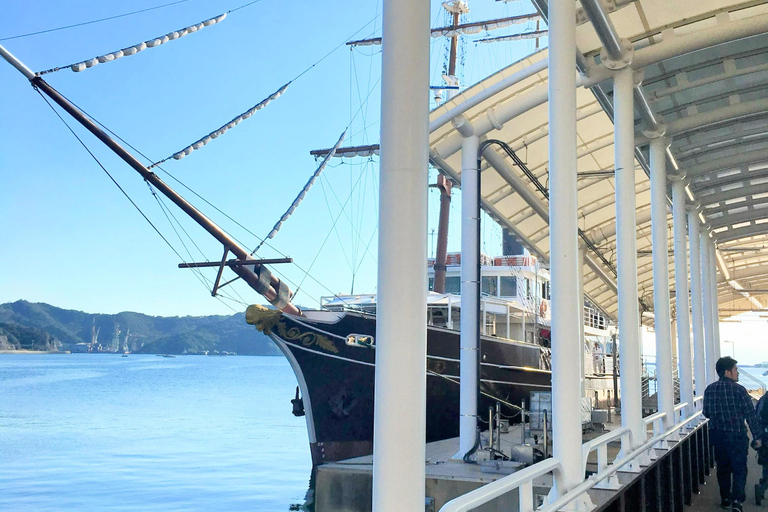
(332, 349)
(333, 352)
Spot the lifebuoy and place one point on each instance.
(542, 308)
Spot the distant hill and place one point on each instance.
(40, 326)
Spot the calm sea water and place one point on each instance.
(88, 432)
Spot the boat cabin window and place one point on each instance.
(489, 285)
(453, 285)
(508, 286)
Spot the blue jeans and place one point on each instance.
(731, 450)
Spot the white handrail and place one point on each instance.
(601, 445)
(595, 479)
(657, 420)
(523, 480)
(680, 408)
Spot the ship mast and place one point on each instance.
(456, 8)
(256, 275)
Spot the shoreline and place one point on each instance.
(24, 351)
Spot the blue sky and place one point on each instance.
(72, 239)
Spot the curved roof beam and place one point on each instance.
(735, 193)
(711, 118)
(737, 175)
(674, 46)
(745, 232)
(751, 215)
(692, 84)
(725, 163)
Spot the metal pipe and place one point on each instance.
(522, 422)
(563, 215)
(490, 428)
(604, 28)
(498, 427)
(444, 185)
(706, 288)
(399, 427)
(626, 244)
(682, 301)
(715, 315)
(470, 295)
(582, 341)
(665, 391)
(697, 313)
(546, 434)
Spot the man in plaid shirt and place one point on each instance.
(727, 405)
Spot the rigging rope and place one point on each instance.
(217, 133)
(92, 21)
(302, 194)
(122, 190)
(133, 50)
(228, 217)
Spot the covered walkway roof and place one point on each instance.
(701, 69)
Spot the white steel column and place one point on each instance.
(563, 245)
(665, 391)
(401, 330)
(684, 357)
(580, 277)
(697, 305)
(470, 294)
(715, 312)
(706, 288)
(626, 257)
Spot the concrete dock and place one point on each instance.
(346, 486)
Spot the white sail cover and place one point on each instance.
(467, 29)
(303, 193)
(515, 37)
(234, 122)
(476, 28)
(132, 50)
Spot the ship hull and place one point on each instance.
(337, 380)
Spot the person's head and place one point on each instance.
(726, 367)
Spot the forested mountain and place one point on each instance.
(39, 326)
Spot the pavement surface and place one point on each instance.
(709, 497)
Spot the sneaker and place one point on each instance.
(736, 507)
(725, 503)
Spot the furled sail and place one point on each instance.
(302, 194)
(463, 29)
(217, 133)
(515, 37)
(132, 50)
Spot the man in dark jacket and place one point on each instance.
(762, 451)
(727, 405)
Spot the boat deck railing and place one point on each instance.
(604, 478)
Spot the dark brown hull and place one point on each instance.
(337, 381)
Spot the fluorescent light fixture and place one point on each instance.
(702, 219)
(672, 159)
(689, 193)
